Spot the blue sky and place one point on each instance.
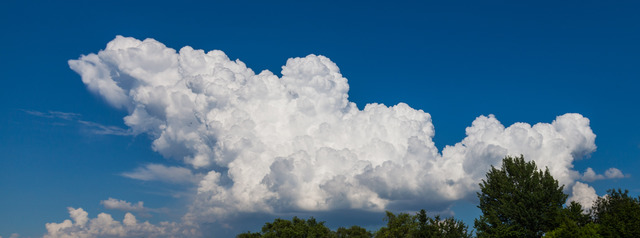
(520, 61)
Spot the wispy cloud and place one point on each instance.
(167, 174)
(14, 235)
(122, 205)
(138, 208)
(69, 116)
(93, 127)
(100, 129)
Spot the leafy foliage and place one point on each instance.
(420, 225)
(353, 232)
(570, 230)
(574, 222)
(618, 214)
(518, 200)
(435, 227)
(401, 225)
(301, 228)
(295, 228)
(397, 226)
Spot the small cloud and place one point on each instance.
(139, 208)
(122, 205)
(612, 173)
(590, 175)
(167, 174)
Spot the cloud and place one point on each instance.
(122, 205)
(296, 143)
(162, 173)
(583, 194)
(100, 129)
(590, 175)
(13, 235)
(138, 208)
(54, 114)
(105, 226)
(612, 173)
(94, 127)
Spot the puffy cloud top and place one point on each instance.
(296, 143)
(583, 194)
(105, 226)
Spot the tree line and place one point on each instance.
(516, 200)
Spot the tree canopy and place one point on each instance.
(518, 200)
(575, 222)
(618, 214)
(301, 228)
(401, 225)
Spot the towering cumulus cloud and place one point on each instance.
(296, 143)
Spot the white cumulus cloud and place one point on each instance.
(296, 142)
(612, 173)
(590, 175)
(105, 226)
(583, 194)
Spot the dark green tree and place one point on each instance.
(574, 212)
(571, 230)
(249, 234)
(436, 227)
(618, 214)
(295, 228)
(574, 222)
(518, 200)
(421, 225)
(353, 232)
(402, 225)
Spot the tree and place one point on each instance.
(618, 214)
(422, 226)
(353, 232)
(401, 225)
(435, 227)
(292, 229)
(570, 230)
(575, 213)
(249, 234)
(397, 226)
(518, 200)
(575, 223)
(295, 228)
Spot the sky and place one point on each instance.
(157, 118)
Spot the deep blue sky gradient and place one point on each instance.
(524, 61)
